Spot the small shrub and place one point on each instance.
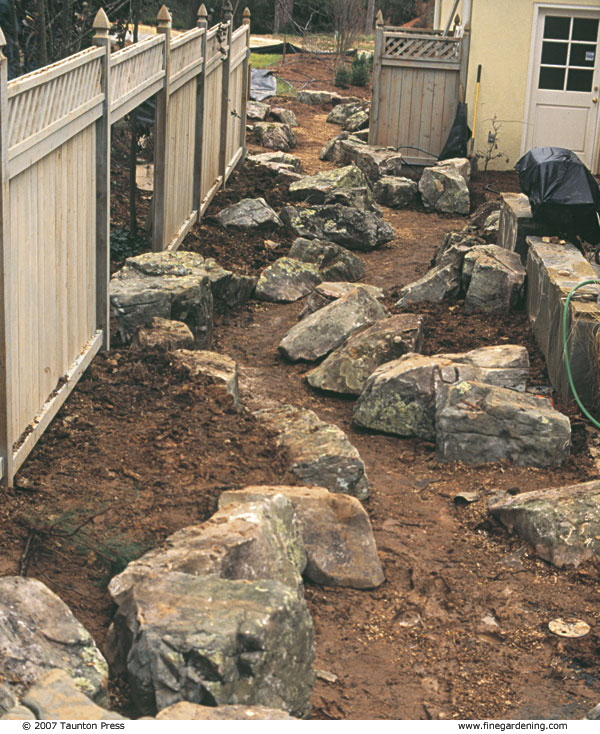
(342, 76)
(124, 244)
(359, 75)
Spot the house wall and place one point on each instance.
(501, 33)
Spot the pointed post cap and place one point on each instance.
(2, 45)
(246, 16)
(164, 17)
(202, 14)
(101, 23)
(379, 18)
(227, 10)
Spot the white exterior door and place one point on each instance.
(564, 81)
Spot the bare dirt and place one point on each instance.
(460, 627)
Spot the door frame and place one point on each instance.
(538, 9)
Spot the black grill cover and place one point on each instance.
(460, 133)
(563, 194)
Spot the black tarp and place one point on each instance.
(563, 194)
(460, 134)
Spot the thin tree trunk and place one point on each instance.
(370, 19)
(43, 40)
(17, 36)
(66, 22)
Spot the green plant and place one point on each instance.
(342, 76)
(492, 152)
(359, 73)
(123, 244)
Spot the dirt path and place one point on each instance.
(459, 629)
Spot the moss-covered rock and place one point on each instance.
(287, 280)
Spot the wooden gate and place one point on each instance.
(416, 78)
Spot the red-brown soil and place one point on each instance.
(460, 627)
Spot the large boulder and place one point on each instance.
(349, 227)
(255, 540)
(173, 286)
(274, 135)
(478, 423)
(347, 369)
(323, 331)
(215, 641)
(328, 291)
(219, 367)
(493, 278)
(319, 452)
(440, 283)
(334, 262)
(56, 697)
(373, 161)
(455, 246)
(357, 121)
(257, 110)
(281, 114)
(322, 97)
(249, 214)
(287, 280)
(461, 165)
(445, 190)
(38, 632)
(337, 534)
(315, 188)
(396, 192)
(276, 158)
(341, 112)
(562, 524)
(400, 396)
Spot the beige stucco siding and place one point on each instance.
(501, 34)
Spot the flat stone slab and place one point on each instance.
(349, 227)
(478, 423)
(396, 192)
(347, 369)
(440, 283)
(445, 190)
(55, 697)
(400, 396)
(253, 540)
(213, 641)
(337, 534)
(186, 711)
(357, 121)
(326, 292)
(333, 261)
(562, 523)
(517, 224)
(38, 632)
(165, 335)
(274, 135)
(318, 451)
(277, 157)
(249, 214)
(287, 280)
(281, 114)
(221, 368)
(321, 97)
(493, 279)
(315, 188)
(325, 330)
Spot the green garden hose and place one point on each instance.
(591, 281)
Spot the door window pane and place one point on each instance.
(552, 78)
(585, 29)
(582, 54)
(557, 27)
(554, 53)
(579, 80)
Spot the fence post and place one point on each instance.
(161, 163)
(6, 277)
(245, 85)
(228, 20)
(102, 39)
(377, 54)
(202, 22)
